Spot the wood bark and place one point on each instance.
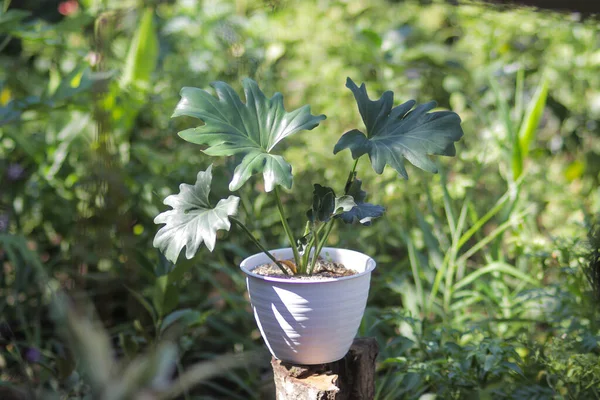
(351, 378)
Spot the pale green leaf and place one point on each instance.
(193, 221)
(533, 117)
(143, 52)
(343, 204)
(529, 126)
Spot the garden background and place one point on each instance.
(485, 277)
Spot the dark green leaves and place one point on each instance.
(326, 205)
(192, 220)
(395, 134)
(252, 129)
(362, 212)
(12, 19)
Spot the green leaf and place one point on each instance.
(529, 126)
(186, 317)
(361, 212)
(325, 204)
(79, 80)
(514, 367)
(170, 298)
(493, 267)
(90, 343)
(161, 285)
(192, 221)
(163, 267)
(532, 119)
(343, 204)
(129, 345)
(490, 361)
(252, 129)
(145, 303)
(152, 371)
(143, 52)
(395, 134)
(77, 126)
(11, 19)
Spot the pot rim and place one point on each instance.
(371, 264)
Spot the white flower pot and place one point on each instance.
(309, 322)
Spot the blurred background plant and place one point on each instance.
(485, 271)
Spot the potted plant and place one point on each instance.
(308, 299)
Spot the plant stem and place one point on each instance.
(315, 253)
(257, 243)
(321, 243)
(5, 42)
(287, 230)
(306, 254)
(309, 243)
(354, 167)
(351, 176)
(312, 242)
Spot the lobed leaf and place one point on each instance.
(396, 134)
(192, 221)
(252, 129)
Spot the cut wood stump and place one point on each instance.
(351, 378)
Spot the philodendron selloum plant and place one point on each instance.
(253, 129)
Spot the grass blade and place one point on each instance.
(519, 94)
(496, 266)
(143, 52)
(509, 194)
(415, 268)
(532, 119)
(479, 245)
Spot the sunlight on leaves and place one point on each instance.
(252, 129)
(192, 221)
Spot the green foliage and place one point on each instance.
(144, 373)
(573, 367)
(592, 259)
(472, 256)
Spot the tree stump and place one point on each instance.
(351, 378)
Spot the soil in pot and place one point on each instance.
(324, 269)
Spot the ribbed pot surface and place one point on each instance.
(309, 322)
